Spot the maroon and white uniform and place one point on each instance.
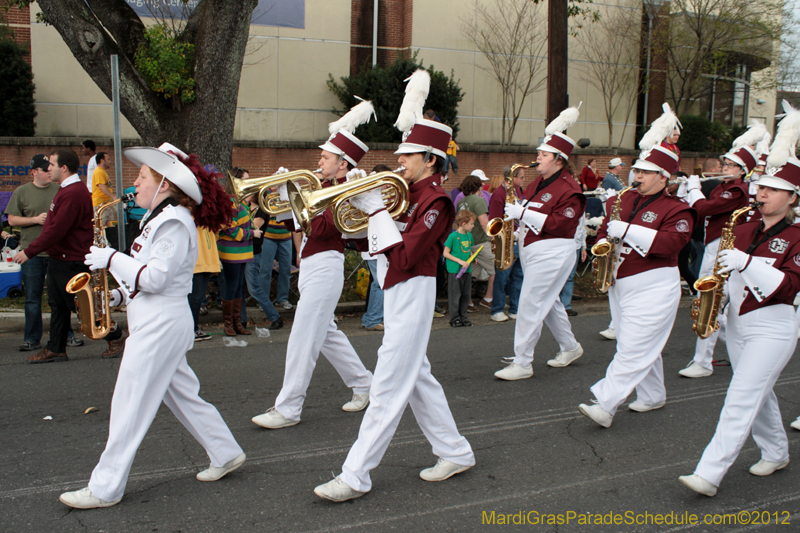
(407, 263)
(761, 338)
(547, 255)
(645, 296)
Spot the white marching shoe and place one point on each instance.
(443, 469)
(599, 415)
(214, 473)
(358, 403)
(699, 485)
(337, 490)
(563, 359)
(609, 334)
(500, 317)
(765, 468)
(796, 424)
(694, 370)
(513, 372)
(272, 419)
(640, 407)
(84, 499)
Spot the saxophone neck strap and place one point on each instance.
(541, 185)
(636, 207)
(774, 230)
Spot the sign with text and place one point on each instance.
(282, 13)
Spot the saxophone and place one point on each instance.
(605, 252)
(705, 308)
(92, 297)
(504, 229)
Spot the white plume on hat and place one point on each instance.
(660, 129)
(417, 88)
(762, 146)
(358, 115)
(754, 134)
(786, 139)
(564, 120)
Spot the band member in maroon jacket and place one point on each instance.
(727, 197)
(764, 277)
(549, 214)
(407, 251)
(652, 230)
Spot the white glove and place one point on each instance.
(368, 202)
(732, 260)
(282, 170)
(98, 258)
(355, 174)
(683, 190)
(283, 192)
(693, 183)
(607, 193)
(514, 210)
(616, 229)
(116, 298)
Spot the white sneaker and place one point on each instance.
(698, 484)
(596, 413)
(765, 468)
(609, 334)
(640, 407)
(563, 359)
(514, 372)
(337, 490)
(796, 424)
(443, 469)
(83, 499)
(512, 316)
(500, 317)
(285, 304)
(358, 403)
(694, 370)
(214, 473)
(272, 419)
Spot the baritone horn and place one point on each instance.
(307, 204)
(268, 199)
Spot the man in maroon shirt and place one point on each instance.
(66, 237)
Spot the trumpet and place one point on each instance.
(307, 204)
(269, 200)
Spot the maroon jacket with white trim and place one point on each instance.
(562, 201)
(716, 210)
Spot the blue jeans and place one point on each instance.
(507, 282)
(566, 292)
(282, 251)
(34, 271)
(259, 287)
(374, 314)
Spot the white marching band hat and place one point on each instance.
(556, 141)
(654, 157)
(342, 141)
(420, 134)
(165, 160)
(783, 167)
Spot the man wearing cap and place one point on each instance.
(611, 179)
(652, 229)
(727, 197)
(27, 210)
(321, 280)
(66, 237)
(549, 214)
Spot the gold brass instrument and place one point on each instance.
(605, 252)
(92, 300)
(706, 176)
(502, 230)
(705, 308)
(269, 200)
(307, 204)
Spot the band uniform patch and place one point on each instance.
(430, 218)
(778, 246)
(682, 226)
(569, 212)
(649, 217)
(727, 195)
(546, 197)
(411, 210)
(164, 248)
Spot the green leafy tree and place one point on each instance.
(385, 87)
(699, 134)
(17, 110)
(166, 64)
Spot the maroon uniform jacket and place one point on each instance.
(716, 210)
(497, 203)
(424, 228)
(671, 217)
(562, 201)
(68, 231)
(324, 235)
(782, 251)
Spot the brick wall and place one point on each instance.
(20, 22)
(394, 31)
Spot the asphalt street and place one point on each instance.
(536, 454)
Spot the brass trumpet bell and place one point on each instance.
(269, 200)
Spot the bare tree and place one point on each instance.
(509, 35)
(611, 46)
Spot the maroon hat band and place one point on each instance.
(346, 145)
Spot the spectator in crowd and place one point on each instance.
(671, 144)
(612, 179)
(88, 150)
(589, 178)
(207, 264)
(258, 272)
(457, 251)
(580, 244)
(474, 203)
(451, 161)
(101, 192)
(478, 173)
(372, 320)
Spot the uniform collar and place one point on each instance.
(70, 180)
(430, 181)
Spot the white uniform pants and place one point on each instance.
(314, 331)
(760, 344)
(644, 308)
(403, 377)
(546, 265)
(704, 350)
(154, 368)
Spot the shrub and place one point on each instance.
(17, 109)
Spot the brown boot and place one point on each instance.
(115, 348)
(227, 318)
(46, 356)
(237, 318)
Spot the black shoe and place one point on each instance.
(74, 342)
(571, 312)
(466, 322)
(29, 346)
(278, 324)
(200, 335)
(456, 323)
(577, 298)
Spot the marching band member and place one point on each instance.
(652, 229)
(550, 213)
(407, 251)
(764, 271)
(154, 281)
(727, 197)
(321, 281)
